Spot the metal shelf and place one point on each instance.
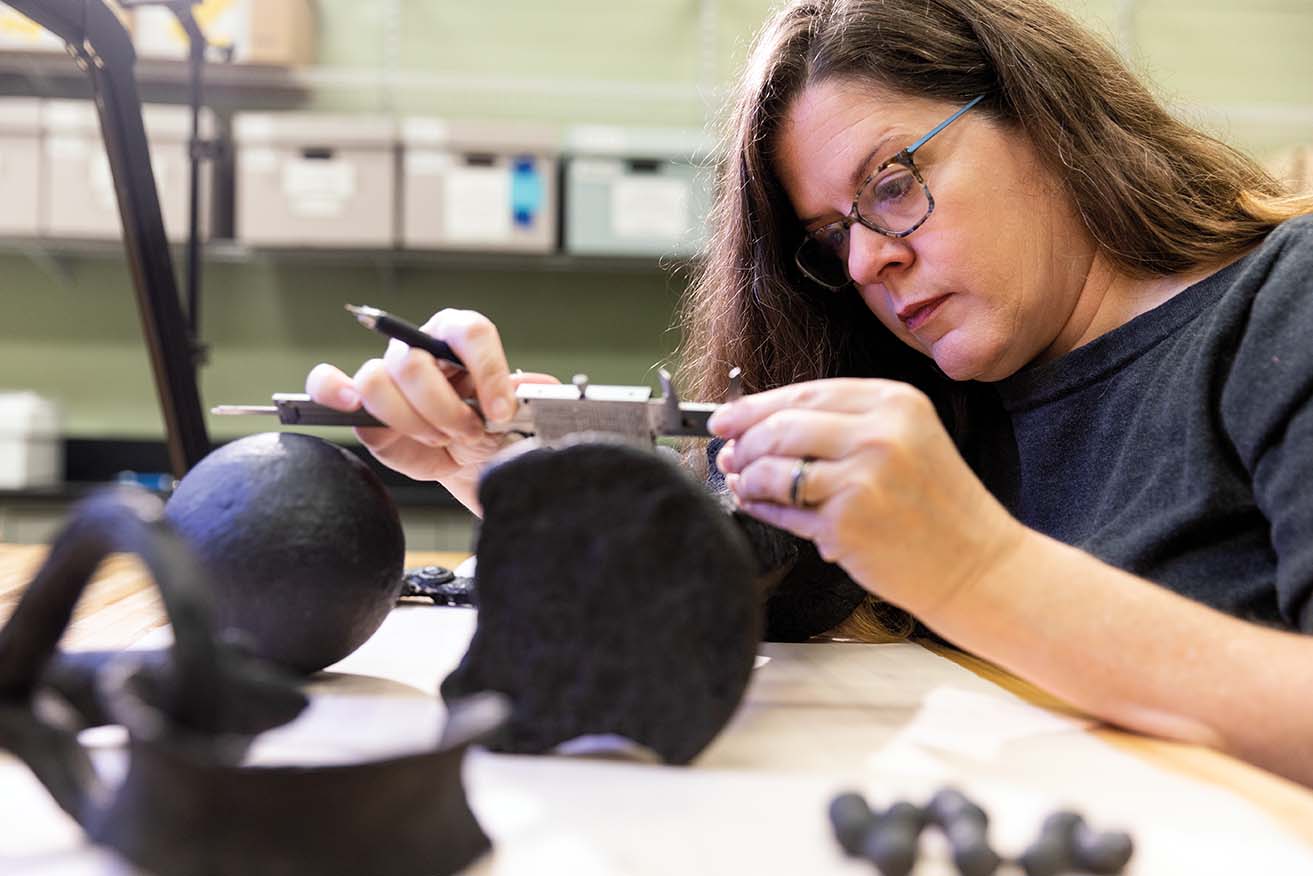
(252, 86)
(48, 250)
(227, 86)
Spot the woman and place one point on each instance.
(1043, 381)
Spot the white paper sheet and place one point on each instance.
(979, 724)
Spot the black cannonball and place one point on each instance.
(302, 541)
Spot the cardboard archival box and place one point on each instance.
(20, 164)
(316, 180)
(273, 32)
(470, 185)
(636, 191)
(77, 192)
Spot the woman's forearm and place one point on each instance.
(1135, 654)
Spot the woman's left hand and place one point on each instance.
(884, 493)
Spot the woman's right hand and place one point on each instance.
(431, 433)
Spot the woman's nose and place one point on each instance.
(871, 254)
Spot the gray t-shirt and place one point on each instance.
(1180, 446)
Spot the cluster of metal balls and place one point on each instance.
(891, 839)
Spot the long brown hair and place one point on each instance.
(1156, 196)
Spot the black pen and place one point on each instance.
(385, 323)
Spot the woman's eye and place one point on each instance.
(832, 236)
(893, 187)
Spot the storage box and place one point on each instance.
(636, 191)
(275, 32)
(316, 180)
(78, 198)
(20, 164)
(31, 446)
(478, 186)
(20, 33)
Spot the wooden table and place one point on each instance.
(818, 718)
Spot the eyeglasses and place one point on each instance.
(893, 201)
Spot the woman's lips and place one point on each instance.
(915, 317)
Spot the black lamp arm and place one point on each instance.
(102, 47)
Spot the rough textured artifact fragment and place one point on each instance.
(803, 594)
(615, 599)
(302, 541)
(189, 805)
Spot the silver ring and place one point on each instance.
(798, 483)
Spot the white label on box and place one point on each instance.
(476, 203)
(318, 188)
(591, 170)
(67, 148)
(649, 207)
(427, 162)
(260, 160)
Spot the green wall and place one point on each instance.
(71, 329)
(70, 325)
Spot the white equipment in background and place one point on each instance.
(31, 443)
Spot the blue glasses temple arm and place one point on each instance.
(944, 124)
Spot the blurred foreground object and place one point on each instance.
(190, 804)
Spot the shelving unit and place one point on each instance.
(253, 86)
(227, 86)
(233, 87)
(47, 251)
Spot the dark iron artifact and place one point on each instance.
(615, 599)
(803, 595)
(301, 540)
(890, 839)
(189, 805)
(439, 584)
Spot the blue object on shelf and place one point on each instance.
(526, 192)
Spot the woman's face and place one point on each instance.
(992, 279)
